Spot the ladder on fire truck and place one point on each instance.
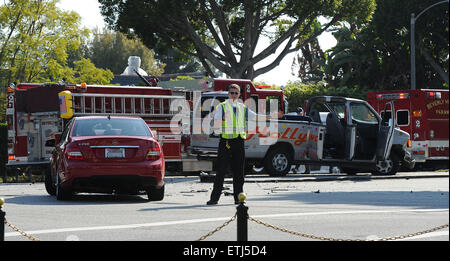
(123, 104)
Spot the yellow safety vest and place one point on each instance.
(233, 126)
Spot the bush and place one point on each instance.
(297, 93)
(182, 78)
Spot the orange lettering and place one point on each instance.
(313, 137)
(292, 137)
(284, 136)
(301, 139)
(263, 132)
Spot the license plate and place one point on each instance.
(114, 153)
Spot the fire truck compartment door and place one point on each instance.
(386, 132)
(48, 130)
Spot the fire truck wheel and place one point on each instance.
(278, 162)
(62, 193)
(155, 194)
(387, 167)
(49, 185)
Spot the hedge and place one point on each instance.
(297, 93)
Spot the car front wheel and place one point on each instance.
(49, 184)
(389, 166)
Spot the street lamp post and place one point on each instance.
(413, 45)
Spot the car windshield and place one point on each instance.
(110, 127)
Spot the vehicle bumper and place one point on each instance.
(407, 160)
(105, 177)
(26, 164)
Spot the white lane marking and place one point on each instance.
(192, 221)
(432, 234)
(155, 224)
(349, 212)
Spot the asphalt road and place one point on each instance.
(318, 206)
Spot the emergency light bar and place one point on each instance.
(82, 87)
(393, 96)
(434, 95)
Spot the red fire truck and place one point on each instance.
(38, 112)
(249, 91)
(424, 115)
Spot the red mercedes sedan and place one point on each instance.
(106, 154)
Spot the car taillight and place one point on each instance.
(154, 152)
(74, 154)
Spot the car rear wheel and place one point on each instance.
(155, 194)
(61, 192)
(49, 184)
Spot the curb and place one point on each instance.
(328, 177)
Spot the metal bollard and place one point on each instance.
(2, 220)
(242, 218)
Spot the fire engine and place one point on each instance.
(424, 115)
(249, 91)
(38, 112)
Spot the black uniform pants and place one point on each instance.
(232, 155)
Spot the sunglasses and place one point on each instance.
(234, 93)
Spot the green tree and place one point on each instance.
(36, 39)
(298, 92)
(224, 34)
(376, 55)
(309, 62)
(111, 50)
(86, 71)
(176, 61)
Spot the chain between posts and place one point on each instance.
(217, 229)
(242, 228)
(245, 217)
(276, 228)
(339, 239)
(23, 233)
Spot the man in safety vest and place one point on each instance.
(231, 119)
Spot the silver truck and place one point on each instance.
(336, 131)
